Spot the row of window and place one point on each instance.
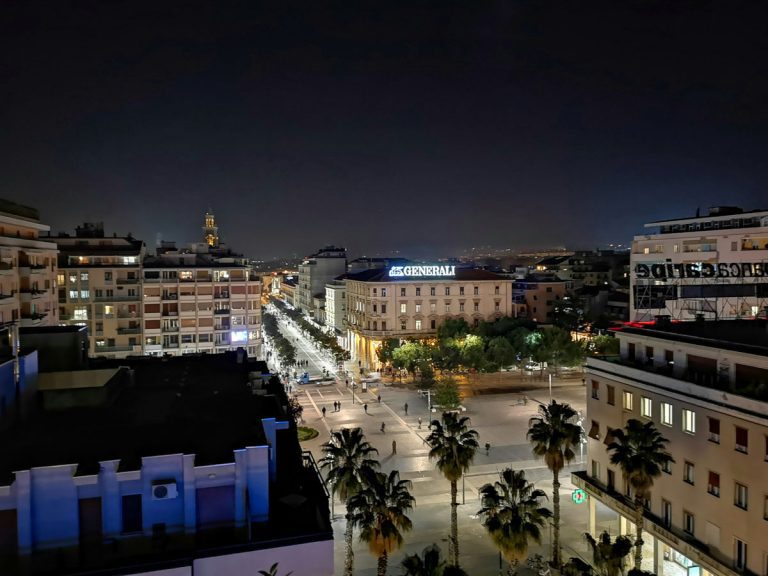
(433, 291)
(666, 417)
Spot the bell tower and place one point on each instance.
(210, 230)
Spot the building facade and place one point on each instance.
(336, 305)
(314, 273)
(703, 385)
(405, 302)
(27, 268)
(712, 266)
(535, 297)
(99, 286)
(195, 302)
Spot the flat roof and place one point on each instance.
(748, 336)
(708, 218)
(461, 274)
(196, 404)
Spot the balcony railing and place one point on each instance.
(222, 311)
(170, 328)
(127, 281)
(114, 349)
(129, 330)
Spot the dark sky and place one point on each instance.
(414, 126)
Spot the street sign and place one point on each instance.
(579, 496)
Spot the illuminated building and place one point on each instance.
(412, 301)
(703, 385)
(99, 282)
(194, 301)
(27, 268)
(210, 230)
(711, 266)
(314, 273)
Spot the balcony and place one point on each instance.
(129, 331)
(34, 319)
(169, 296)
(170, 345)
(108, 349)
(121, 281)
(129, 314)
(222, 311)
(170, 313)
(222, 328)
(29, 294)
(221, 295)
(117, 298)
(6, 268)
(170, 328)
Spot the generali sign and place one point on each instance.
(421, 271)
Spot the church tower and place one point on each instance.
(210, 230)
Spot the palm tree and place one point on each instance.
(428, 564)
(609, 557)
(380, 513)
(640, 451)
(453, 446)
(272, 571)
(512, 514)
(347, 457)
(554, 435)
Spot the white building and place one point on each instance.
(314, 273)
(412, 301)
(336, 305)
(705, 387)
(714, 265)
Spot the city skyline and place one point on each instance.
(416, 129)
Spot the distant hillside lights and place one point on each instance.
(421, 271)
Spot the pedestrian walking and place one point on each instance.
(406, 408)
(487, 448)
(383, 427)
(378, 398)
(365, 407)
(323, 411)
(394, 447)
(339, 405)
(419, 422)
(346, 382)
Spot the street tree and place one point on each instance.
(554, 435)
(513, 515)
(429, 563)
(348, 458)
(639, 450)
(452, 446)
(609, 557)
(380, 512)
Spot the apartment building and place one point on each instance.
(412, 301)
(27, 268)
(712, 265)
(535, 297)
(195, 470)
(193, 301)
(314, 273)
(705, 387)
(99, 286)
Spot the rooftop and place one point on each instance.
(461, 274)
(192, 405)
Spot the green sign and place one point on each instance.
(579, 496)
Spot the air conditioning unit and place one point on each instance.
(165, 490)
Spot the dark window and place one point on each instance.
(432, 324)
(611, 395)
(132, 518)
(714, 430)
(742, 439)
(713, 484)
(594, 430)
(595, 389)
(631, 351)
(611, 480)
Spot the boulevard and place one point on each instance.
(501, 419)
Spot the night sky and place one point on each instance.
(420, 127)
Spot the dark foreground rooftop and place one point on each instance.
(192, 404)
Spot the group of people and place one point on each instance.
(336, 407)
(302, 363)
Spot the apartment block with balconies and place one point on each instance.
(99, 286)
(704, 385)
(194, 302)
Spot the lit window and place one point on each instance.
(418, 324)
(80, 313)
(666, 414)
(628, 400)
(84, 276)
(418, 308)
(713, 484)
(646, 407)
(432, 306)
(740, 496)
(403, 308)
(85, 294)
(688, 471)
(689, 421)
(73, 294)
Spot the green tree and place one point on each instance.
(512, 514)
(446, 356)
(604, 345)
(500, 352)
(639, 450)
(447, 394)
(380, 512)
(453, 328)
(473, 352)
(386, 349)
(452, 445)
(554, 434)
(568, 313)
(558, 349)
(348, 459)
(610, 558)
(428, 564)
(410, 356)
